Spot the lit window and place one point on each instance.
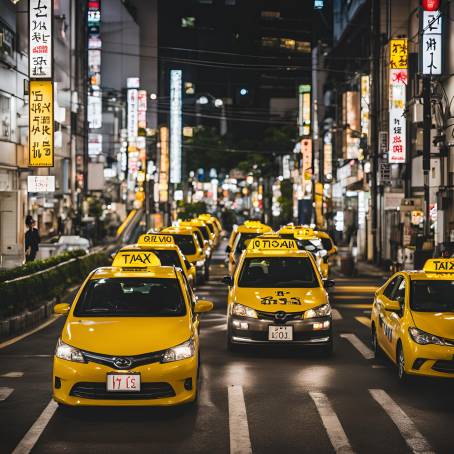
(270, 14)
(5, 116)
(268, 41)
(287, 43)
(188, 22)
(303, 46)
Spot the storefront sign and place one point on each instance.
(176, 77)
(142, 109)
(40, 39)
(41, 124)
(398, 54)
(306, 161)
(164, 165)
(41, 183)
(304, 114)
(133, 121)
(431, 43)
(365, 103)
(397, 121)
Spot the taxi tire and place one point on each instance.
(400, 365)
(378, 353)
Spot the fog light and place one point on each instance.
(236, 323)
(57, 383)
(320, 325)
(188, 384)
(244, 325)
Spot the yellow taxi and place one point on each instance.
(187, 240)
(203, 234)
(244, 233)
(307, 239)
(214, 226)
(277, 296)
(412, 320)
(168, 252)
(327, 242)
(131, 337)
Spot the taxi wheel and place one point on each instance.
(376, 348)
(400, 362)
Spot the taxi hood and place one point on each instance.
(126, 335)
(437, 323)
(280, 299)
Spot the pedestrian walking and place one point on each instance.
(32, 240)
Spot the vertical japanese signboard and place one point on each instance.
(41, 124)
(132, 107)
(304, 114)
(306, 161)
(164, 165)
(40, 39)
(431, 43)
(142, 109)
(176, 77)
(398, 75)
(365, 103)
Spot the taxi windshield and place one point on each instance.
(241, 239)
(432, 296)
(131, 297)
(278, 272)
(307, 245)
(205, 231)
(185, 243)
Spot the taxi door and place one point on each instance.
(192, 300)
(389, 321)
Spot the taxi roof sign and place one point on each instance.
(153, 239)
(136, 259)
(439, 266)
(304, 232)
(274, 244)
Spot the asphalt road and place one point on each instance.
(259, 400)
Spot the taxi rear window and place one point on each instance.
(205, 232)
(168, 258)
(241, 239)
(185, 243)
(278, 272)
(432, 296)
(131, 297)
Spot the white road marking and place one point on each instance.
(378, 366)
(5, 393)
(31, 437)
(35, 330)
(336, 314)
(331, 423)
(204, 396)
(359, 345)
(12, 375)
(240, 442)
(368, 312)
(414, 439)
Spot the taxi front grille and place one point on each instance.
(280, 317)
(444, 366)
(95, 390)
(132, 361)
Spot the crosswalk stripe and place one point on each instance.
(5, 393)
(240, 442)
(414, 439)
(359, 345)
(355, 289)
(339, 297)
(363, 320)
(336, 314)
(12, 375)
(31, 437)
(331, 423)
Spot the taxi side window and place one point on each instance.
(399, 292)
(189, 293)
(389, 290)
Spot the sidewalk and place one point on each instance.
(361, 268)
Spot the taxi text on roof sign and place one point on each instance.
(272, 244)
(136, 259)
(439, 266)
(304, 232)
(154, 239)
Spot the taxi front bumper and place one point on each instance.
(246, 330)
(431, 360)
(84, 384)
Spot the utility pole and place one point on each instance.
(427, 126)
(374, 118)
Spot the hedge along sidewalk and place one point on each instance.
(27, 300)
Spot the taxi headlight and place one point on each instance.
(199, 263)
(243, 311)
(65, 351)
(183, 351)
(423, 338)
(320, 311)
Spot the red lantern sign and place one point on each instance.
(430, 5)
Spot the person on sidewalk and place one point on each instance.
(32, 240)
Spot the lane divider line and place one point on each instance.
(336, 314)
(331, 422)
(12, 375)
(359, 345)
(5, 393)
(354, 306)
(363, 320)
(240, 442)
(31, 437)
(414, 439)
(29, 333)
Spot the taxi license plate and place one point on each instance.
(123, 382)
(280, 333)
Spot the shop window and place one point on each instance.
(268, 41)
(5, 117)
(303, 47)
(6, 44)
(270, 14)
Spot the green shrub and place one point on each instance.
(29, 292)
(38, 265)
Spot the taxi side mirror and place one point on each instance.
(227, 280)
(62, 308)
(228, 249)
(393, 306)
(327, 283)
(203, 306)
